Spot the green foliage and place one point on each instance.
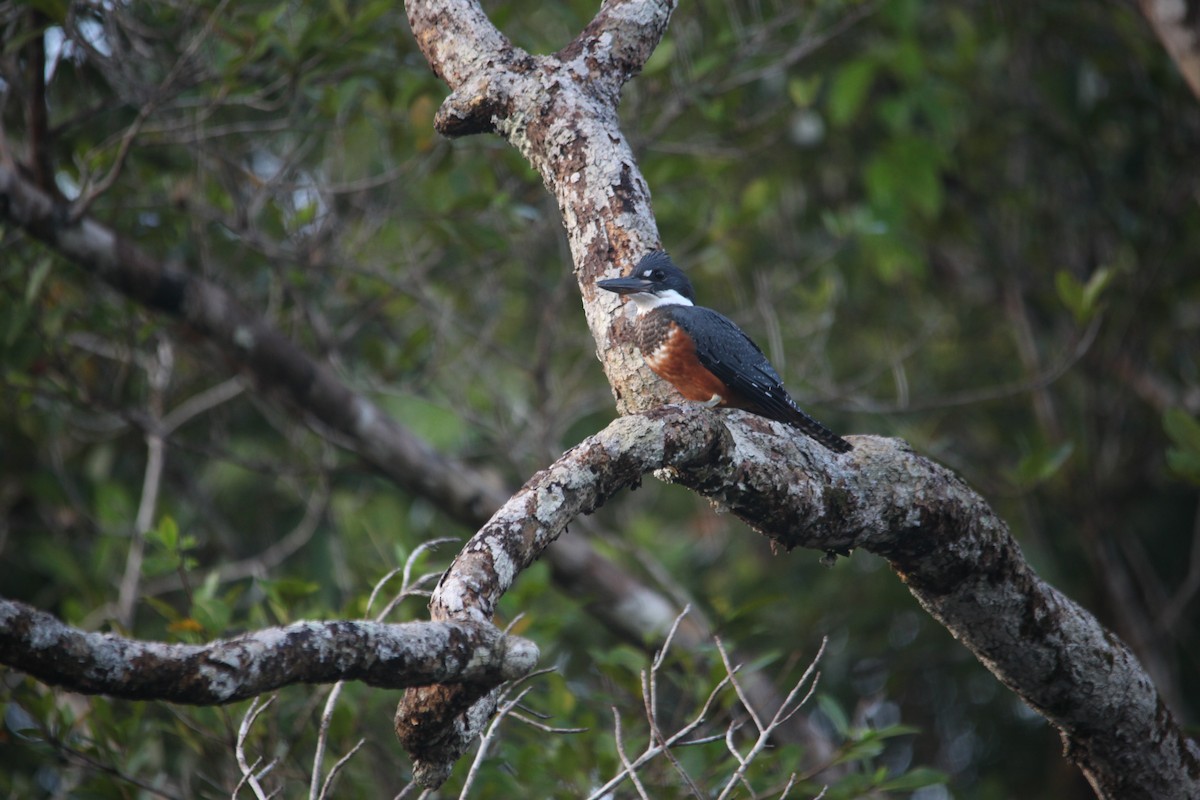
(970, 226)
(1184, 456)
(1041, 465)
(1082, 299)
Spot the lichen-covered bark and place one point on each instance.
(560, 111)
(388, 656)
(956, 556)
(430, 721)
(963, 566)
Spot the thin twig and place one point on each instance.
(335, 692)
(630, 770)
(541, 726)
(784, 712)
(990, 393)
(484, 741)
(316, 788)
(650, 700)
(198, 404)
(341, 762)
(158, 376)
(249, 776)
(406, 584)
(678, 739)
(737, 687)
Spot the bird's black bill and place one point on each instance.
(626, 285)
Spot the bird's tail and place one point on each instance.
(815, 430)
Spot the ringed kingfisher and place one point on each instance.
(703, 354)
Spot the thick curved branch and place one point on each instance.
(436, 724)
(388, 656)
(956, 556)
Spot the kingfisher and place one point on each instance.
(702, 353)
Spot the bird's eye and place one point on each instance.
(658, 274)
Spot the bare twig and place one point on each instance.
(737, 687)
(198, 404)
(630, 770)
(316, 788)
(541, 726)
(158, 377)
(650, 700)
(990, 393)
(69, 753)
(406, 588)
(250, 777)
(678, 739)
(502, 711)
(786, 710)
(341, 762)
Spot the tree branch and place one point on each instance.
(388, 656)
(560, 111)
(956, 556)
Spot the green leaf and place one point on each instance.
(166, 534)
(861, 750)
(289, 590)
(165, 609)
(917, 778)
(849, 90)
(1041, 465)
(1184, 465)
(1083, 300)
(1183, 429)
(906, 175)
(1070, 291)
(803, 91)
(662, 57)
(1184, 432)
(837, 716)
(757, 196)
(36, 278)
(1100, 280)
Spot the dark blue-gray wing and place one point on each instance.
(738, 362)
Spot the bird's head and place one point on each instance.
(654, 282)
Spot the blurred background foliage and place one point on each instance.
(974, 227)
